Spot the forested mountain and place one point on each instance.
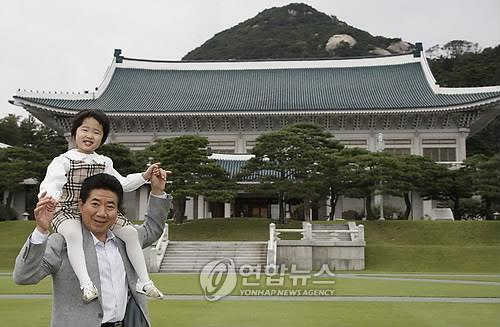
(294, 31)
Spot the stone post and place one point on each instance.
(361, 232)
(272, 231)
(307, 233)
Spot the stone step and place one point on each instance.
(223, 243)
(219, 255)
(192, 256)
(193, 248)
(202, 264)
(188, 252)
(208, 259)
(189, 270)
(181, 248)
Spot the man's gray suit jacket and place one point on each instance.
(36, 261)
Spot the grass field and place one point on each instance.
(282, 314)
(392, 247)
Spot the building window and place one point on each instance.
(439, 141)
(398, 152)
(249, 145)
(441, 154)
(354, 142)
(397, 142)
(223, 146)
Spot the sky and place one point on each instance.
(67, 45)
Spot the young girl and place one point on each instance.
(63, 180)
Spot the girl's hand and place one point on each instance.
(151, 169)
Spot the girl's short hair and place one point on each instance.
(98, 115)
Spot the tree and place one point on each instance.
(288, 163)
(33, 147)
(368, 173)
(18, 164)
(336, 174)
(193, 173)
(485, 176)
(28, 133)
(419, 174)
(124, 160)
(9, 130)
(457, 48)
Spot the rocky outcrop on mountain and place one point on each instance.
(295, 31)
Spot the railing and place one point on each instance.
(272, 249)
(357, 233)
(159, 249)
(272, 244)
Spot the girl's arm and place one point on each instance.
(129, 183)
(55, 178)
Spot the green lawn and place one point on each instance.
(13, 234)
(34, 313)
(392, 246)
(221, 229)
(433, 258)
(477, 278)
(319, 314)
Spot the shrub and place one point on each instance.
(7, 213)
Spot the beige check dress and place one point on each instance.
(68, 203)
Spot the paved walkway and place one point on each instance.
(399, 277)
(299, 298)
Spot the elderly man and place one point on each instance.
(42, 255)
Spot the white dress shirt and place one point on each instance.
(57, 171)
(114, 289)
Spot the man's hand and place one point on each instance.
(158, 181)
(44, 212)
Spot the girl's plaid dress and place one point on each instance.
(68, 203)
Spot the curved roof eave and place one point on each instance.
(464, 107)
(452, 90)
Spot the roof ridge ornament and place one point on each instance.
(118, 56)
(418, 49)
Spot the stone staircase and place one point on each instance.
(187, 256)
(324, 232)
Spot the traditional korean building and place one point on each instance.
(233, 102)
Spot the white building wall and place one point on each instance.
(243, 142)
(190, 214)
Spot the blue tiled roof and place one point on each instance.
(398, 86)
(234, 167)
